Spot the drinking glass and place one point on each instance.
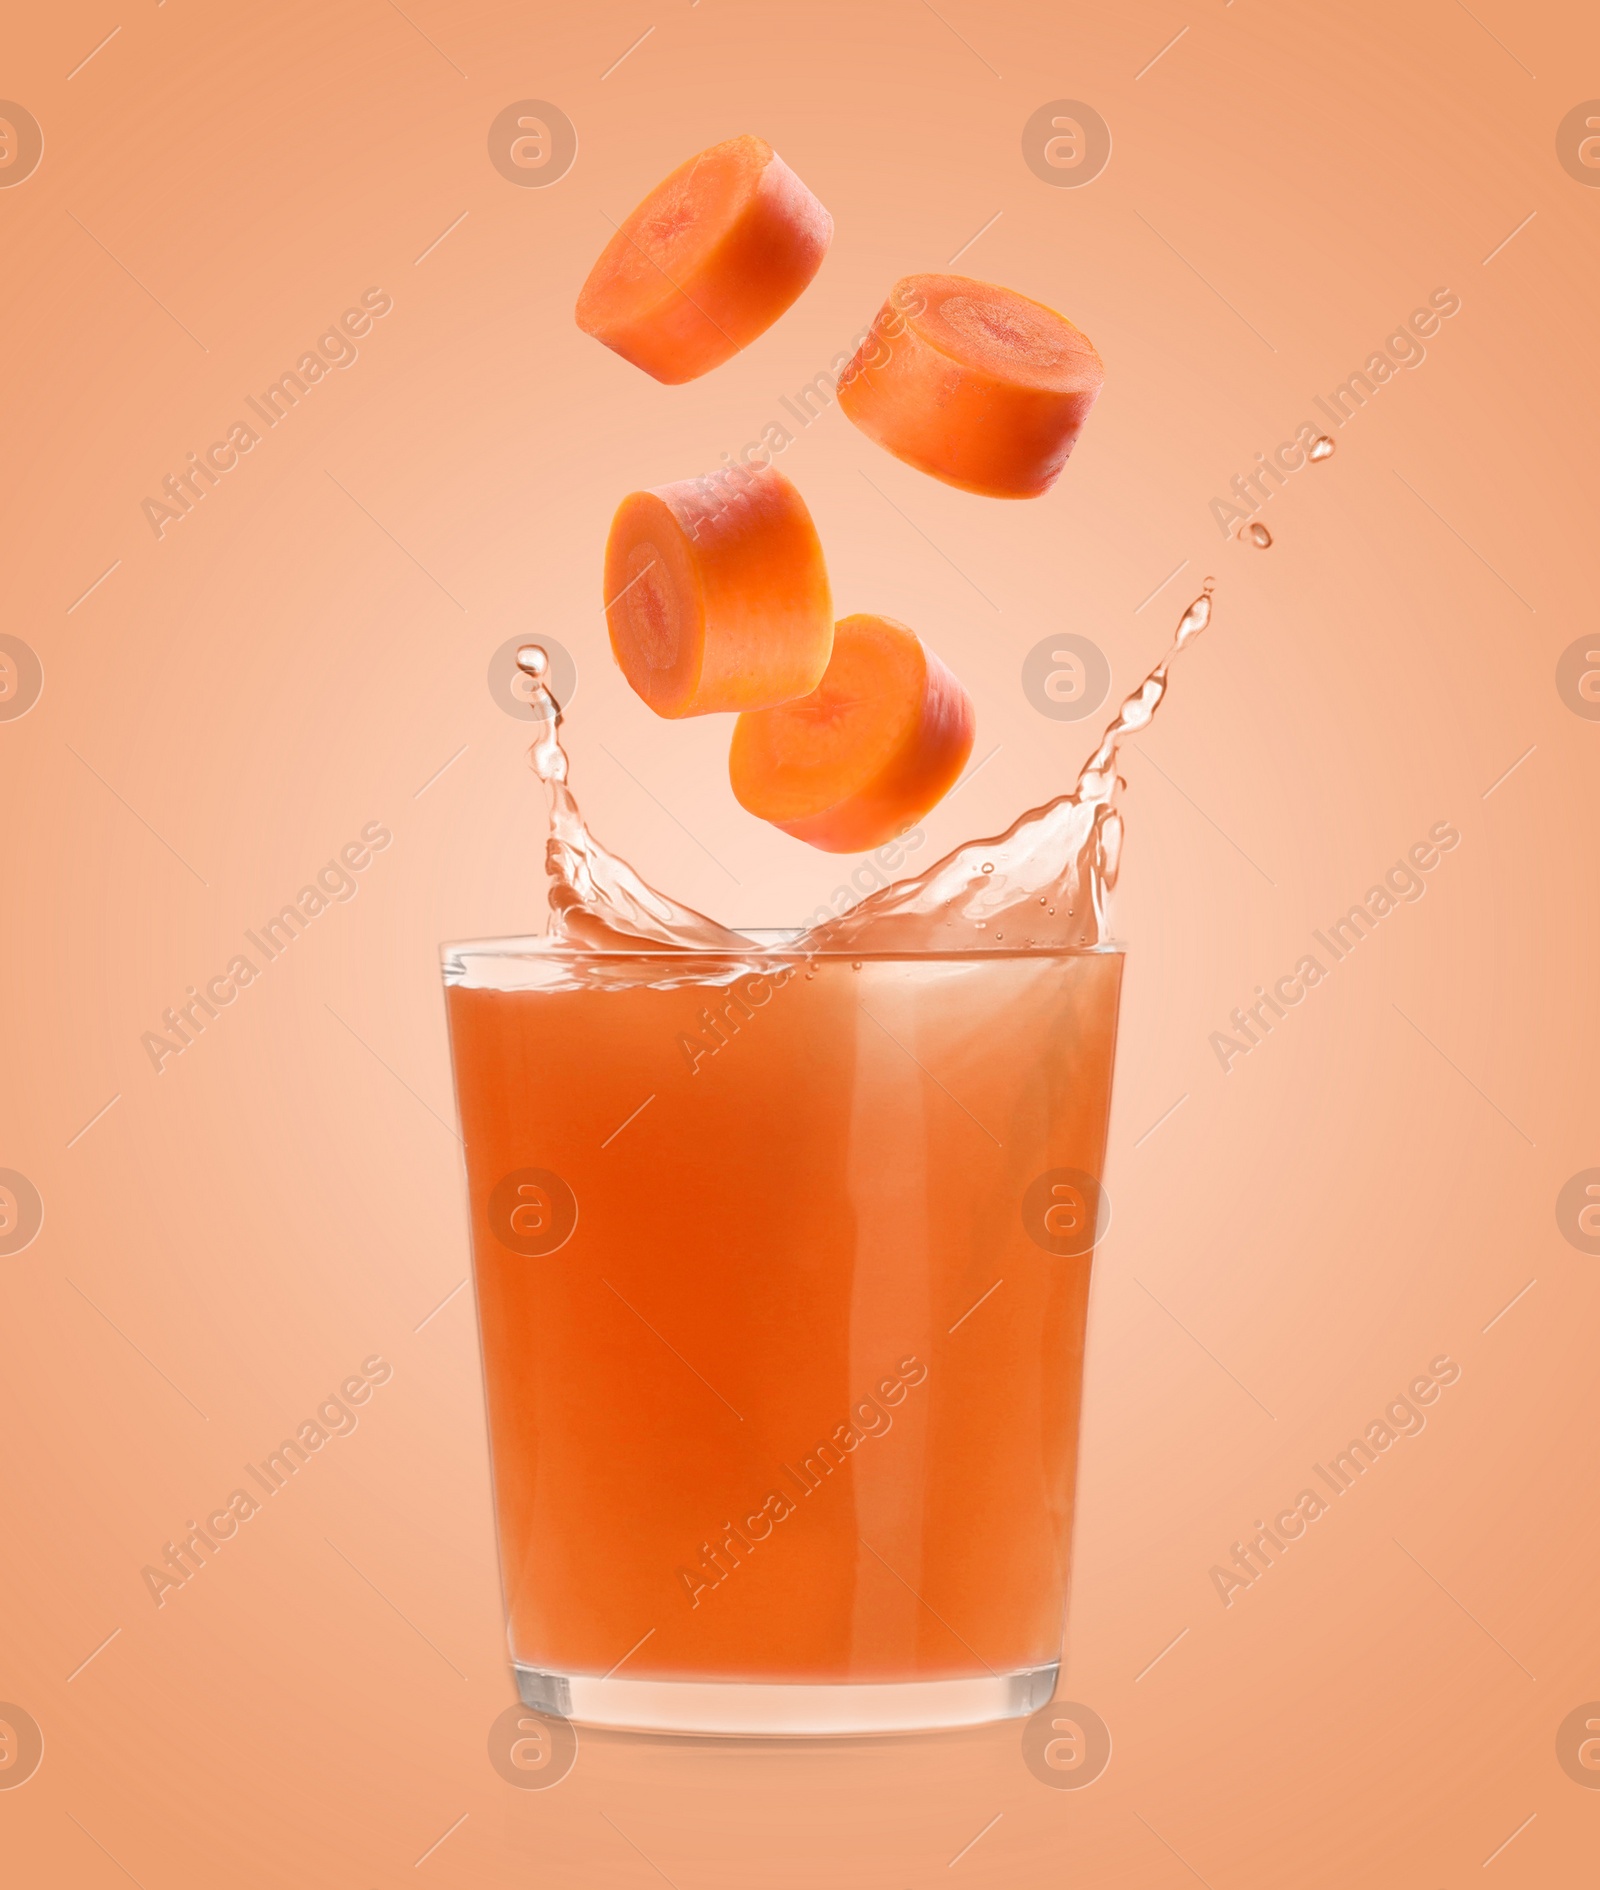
(782, 1268)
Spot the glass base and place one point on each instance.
(740, 1709)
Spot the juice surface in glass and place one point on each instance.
(782, 1268)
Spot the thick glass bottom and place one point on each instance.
(740, 1709)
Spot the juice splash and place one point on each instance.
(597, 901)
(1044, 884)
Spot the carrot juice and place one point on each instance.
(782, 1270)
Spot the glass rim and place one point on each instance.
(780, 946)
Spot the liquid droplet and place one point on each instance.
(988, 866)
(1257, 535)
(532, 661)
(855, 964)
(1192, 622)
(1322, 447)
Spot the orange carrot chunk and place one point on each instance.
(709, 260)
(973, 383)
(717, 594)
(879, 741)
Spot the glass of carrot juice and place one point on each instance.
(782, 1267)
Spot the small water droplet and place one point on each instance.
(855, 964)
(998, 936)
(988, 866)
(1322, 447)
(532, 661)
(1257, 534)
(1052, 912)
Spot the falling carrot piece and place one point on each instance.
(973, 383)
(717, 594)
(880, 740)
(708, 261)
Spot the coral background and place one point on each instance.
(225, 707)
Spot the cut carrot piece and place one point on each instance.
(880, 740)
(973, 383)
(718, 594)
(709, 260)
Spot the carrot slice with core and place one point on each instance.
(718, 594)
(879, 741)
(708, 261)
(973, 383)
